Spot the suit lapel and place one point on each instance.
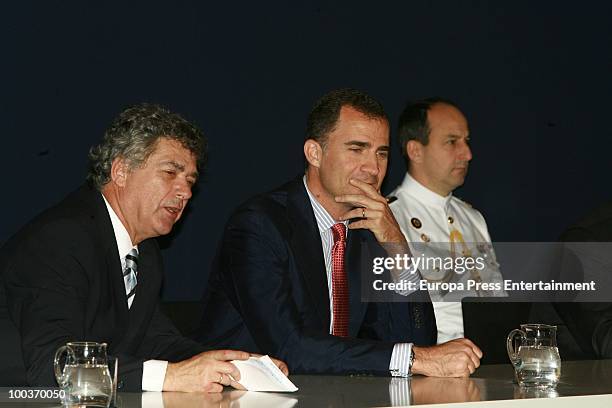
(113, 267)
(306, 246)
(108, 246)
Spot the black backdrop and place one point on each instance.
(532, 77)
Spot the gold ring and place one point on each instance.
(363, 213)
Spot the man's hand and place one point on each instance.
(455, 358)
(207, 372)
(378, 216)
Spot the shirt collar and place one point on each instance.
(324, 220)
(422, 193)
(124, 242)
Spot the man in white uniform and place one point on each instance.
(434, 137)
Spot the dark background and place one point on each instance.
(532, 77)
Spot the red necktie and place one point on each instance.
(340, 293)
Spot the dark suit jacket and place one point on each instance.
(64, 283)
(268, 293)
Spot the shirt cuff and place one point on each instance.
(153, 374)
(400, 360)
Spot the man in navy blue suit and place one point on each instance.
(287, 278)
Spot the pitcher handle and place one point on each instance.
(512, 354)
(59, 376)
(57, 366)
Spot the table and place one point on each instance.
(584, 384)
(489, 383)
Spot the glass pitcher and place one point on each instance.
(536, 361)
(85, 378)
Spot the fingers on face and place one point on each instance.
(359, 200)
(365, 187)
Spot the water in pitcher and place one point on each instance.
(91, 384)
(540, 366)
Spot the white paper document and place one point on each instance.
(260, 374)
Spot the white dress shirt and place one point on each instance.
(153, 371)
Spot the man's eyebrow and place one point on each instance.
(357, 143)
(174, 164)
(454, 136)
(180, 167)
(384, 148)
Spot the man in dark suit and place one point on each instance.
(287, 277)
(89, 268)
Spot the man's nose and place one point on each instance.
(183, 190)
(371, 165)
(466, 153)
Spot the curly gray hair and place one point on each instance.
(133, 136)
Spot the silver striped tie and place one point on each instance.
(130, 272)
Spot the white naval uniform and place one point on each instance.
(427, 219)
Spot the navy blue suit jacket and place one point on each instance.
(268, 293)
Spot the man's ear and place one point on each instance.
(313, 152)
(414, 150)
(119, 172)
